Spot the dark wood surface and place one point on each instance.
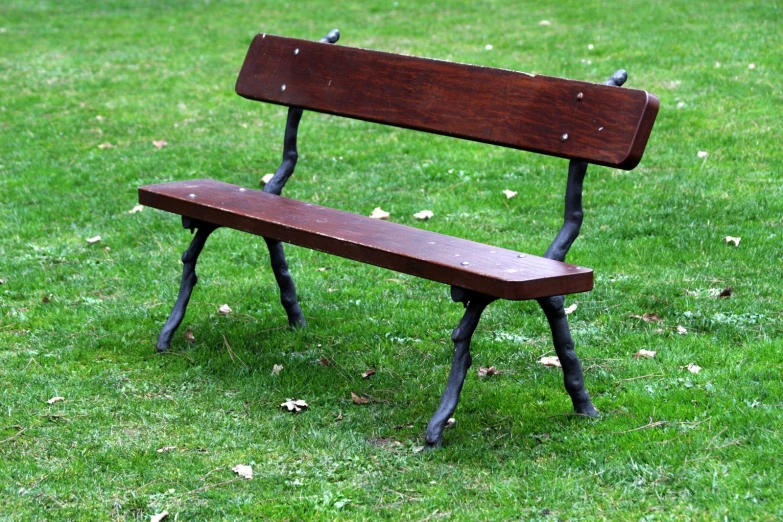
(495, 271)
(606, 126)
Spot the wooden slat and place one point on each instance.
(607, 126)
(491, 270)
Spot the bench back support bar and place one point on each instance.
(565, 118)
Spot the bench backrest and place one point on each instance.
(565, 118)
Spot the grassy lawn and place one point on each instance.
(87, 86)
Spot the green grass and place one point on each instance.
(79, 320)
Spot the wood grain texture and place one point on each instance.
(491, 270)
(606, 126)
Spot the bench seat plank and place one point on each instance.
(565, 118)
(474, 266)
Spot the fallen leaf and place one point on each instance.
(189, 337)
(339, 416)
(726, 292)
(552, 362)
(160, 516)
(45, 299)
(702, 154)
(243, 471)
(735, 240)
(378, 213)
(693, 368)
(99, 117)
(648, 318)
(368, 373)
(55, 399)
(451, 422)
(106, 145)
(487, 371)
(107, 249)
(545, 22)
(325, 362)
(510, 193)
(166, 449)
(645, 353)
(681, 330)
(159, 143)
(294, 405)
(418, 449)
(93, 239)
(224, 309)
(322, 269)
(267, 178)
(359, 400)
(2, 281)
(137, 208)
(276, 369)
(571, 309)
(424, 214)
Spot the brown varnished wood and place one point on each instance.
(490, 270)
(606, 126)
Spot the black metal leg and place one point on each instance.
(459, 367)
(564, 346)
(189, 279)
(286, 283)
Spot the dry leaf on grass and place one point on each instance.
(571, 309)
(379, 213)
(166, 449)
(418, 449)
(322, 269)
(359, 400)
(55, 399)
(160, 516)
(137, 208)
(276, 369)
(267, 178)
(367, 373)
(735, 240)
(681, 330)
(487, 371)
(552, 362)
(189, 337)
(106, 145)
(2, 281)
(339, 417)
(294, 405)
(510, 193)
(325, 362)
(224, 309)
(243, 471)
(702, 154)
(726, 292)
(424, 214)
(649, 354)
(545, 23)
(648, 318)
(159, 143)
(693, 368)
(93, 239)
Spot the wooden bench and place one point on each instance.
(583, 122)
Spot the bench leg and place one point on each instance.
(564, 346)
(286, 283)
(189, 279)
(459, 368)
